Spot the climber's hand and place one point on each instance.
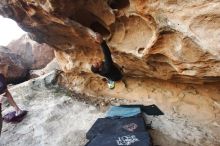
(98, 38)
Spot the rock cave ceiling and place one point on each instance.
(169, 40)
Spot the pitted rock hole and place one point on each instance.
(88, 19)
(140, 50)
(98, 27)
(210, 37)
(118, 4)
(131, 35)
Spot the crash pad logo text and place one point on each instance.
(127, 140)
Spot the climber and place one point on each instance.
(106, 68)
(15, 116)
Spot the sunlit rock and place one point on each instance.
(168, 50)
(36, 56)
(12, 65)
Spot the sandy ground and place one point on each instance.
(54, 119)
(60, 118)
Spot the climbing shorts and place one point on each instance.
(3, 84)
(0, 118)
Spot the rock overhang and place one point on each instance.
(164, 40)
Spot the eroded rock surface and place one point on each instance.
(12, 65)
(192, 112)
(53, 65)
(169, 40)
(35, 55)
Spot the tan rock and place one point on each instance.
(53, 65)
(169, 40)
(12, 65)
(35, 55)
(190, 113)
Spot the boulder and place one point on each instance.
(169, 40)
(169, 52)
(35, 55)
(12, 65)
(53, 65)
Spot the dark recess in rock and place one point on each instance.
(118, 4)
(88, 19)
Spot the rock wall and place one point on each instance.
(169, 40)
(12, 65)
(161, 46)
(192, 112)
(35, 55)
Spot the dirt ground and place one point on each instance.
(54, 119)
(58, 117)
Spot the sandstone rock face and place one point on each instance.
(35, 55)
(168, 40)
(192, 112)
(12, 65)
(53, 65)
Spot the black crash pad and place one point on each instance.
(135, 139)
(127, 125)
(152, 110)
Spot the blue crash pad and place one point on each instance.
(118, 111)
